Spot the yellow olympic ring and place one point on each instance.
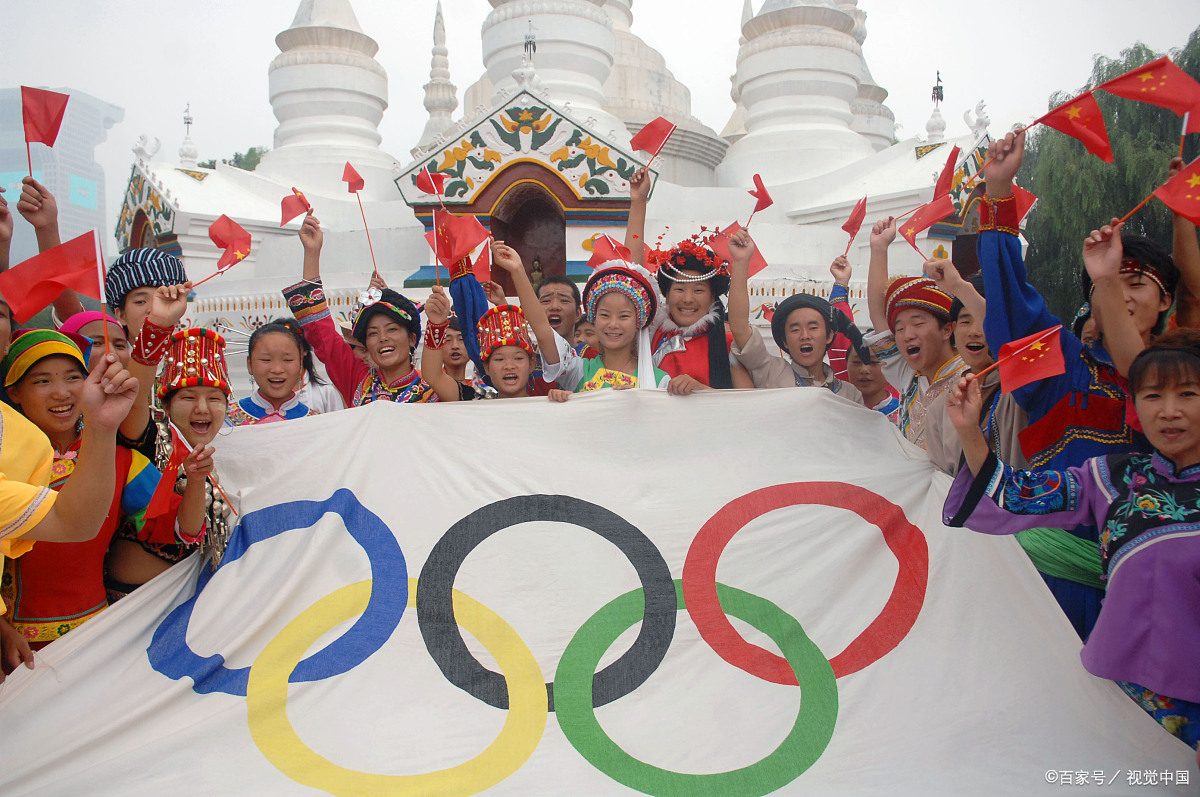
(267, 694)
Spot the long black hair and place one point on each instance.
(288, 326)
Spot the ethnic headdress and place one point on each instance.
(37, 344)
(394, 305)
(141, 268)
(615, 276)
(835, 321)
(503, 325)
(690, 260)
(916, 293)
(195, 358)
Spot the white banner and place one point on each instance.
(733, 593)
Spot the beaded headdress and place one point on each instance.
(195, 358)
(916, 293)
(622, 279)
(503, 325)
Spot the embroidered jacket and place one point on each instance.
(256, 409)
(917, 391)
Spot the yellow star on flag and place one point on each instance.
(239, 255)
(1194, 180)
(910, 231)
(1074, 111)
(1038, 346)
(1145, 77)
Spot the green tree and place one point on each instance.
(1077, 192)
(247, 160)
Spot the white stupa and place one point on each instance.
(540, 152)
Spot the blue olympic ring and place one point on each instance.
(171, 655)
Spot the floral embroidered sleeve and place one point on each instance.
(307, 303)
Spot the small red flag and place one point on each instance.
(719, 243)
(482, 268)
(294, 205)
(1025, 201)
(160, 501)
(854, 223)
(945, 180)
(606, 248)
(455, 237)
(760, 193)
(1029, 359)
(652, 137)
(353, 180)
(926, 217)
(1081, 119)
(42, 112)
(33, 284)
(227, 234)
(768, 311)
(430, 183)
(1182, 192)
(1160, 83)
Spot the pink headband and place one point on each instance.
(81, 320)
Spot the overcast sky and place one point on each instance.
(152, 59)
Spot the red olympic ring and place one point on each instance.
(885, 632)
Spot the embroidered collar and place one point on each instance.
(264, 403)
(1165, 467)
(669, 327)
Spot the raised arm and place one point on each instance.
(964, 405)
(437, 317)
(839, 299)
(6, 230)
(741, 249)
(635, 230)
(1102, 252)
(167, 306)
(882, 235)
(945, 274)
(1186, 253)
(507, 258)
(40, 209)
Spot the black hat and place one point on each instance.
(835, 321)
(395, 306)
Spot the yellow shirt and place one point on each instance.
(25, 497)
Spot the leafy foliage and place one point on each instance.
(1077, 192)
(247, 160)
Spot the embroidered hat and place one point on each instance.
(615, 276)
(503, 325)
(195, 358)
(32, 345)
(916, 293)
(835, 321)
(394, 305)
(80, 320)
(141, 268)
(690, 261)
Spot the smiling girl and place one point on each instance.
(275, 359)
(58, 586)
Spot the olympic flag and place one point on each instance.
(733, 593)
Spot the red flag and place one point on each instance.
(33, 284)
(719, 243)
(760, 193)
(42, 112)
(160, 501)
(1081, 119)
(1025, 201)
(430, 183)
(227, 234)
(945, 180)
(454, 237)
(295, 205)
(768, 311)
(926, 217)
(1029, 359)
(482, 269)
(606, 248)
(1182, 192)
(652, 137)
(854, 223)
(1160, 83)
(353, 180)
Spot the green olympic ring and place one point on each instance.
(805, 743)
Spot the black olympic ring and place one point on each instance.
(443, 638)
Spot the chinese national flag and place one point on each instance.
(1182, 192)
(652, 137)
(455, 237)
(293, 206)
(927, 216)
(945, 180)
(227, 234)
(353, 180)
(719, 243)
(760, 193)
(162, 499)
(430, 183)
(1038, 356)
(606, 248)
(1161, 83)
(33, 284)
(1081, 119)
(854, 223)
(482, 268)
(42, 112)
(1025, 201)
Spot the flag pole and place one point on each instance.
(100, 276)
(1140, 205)
(1183, 132)
(849, 244)
(218, 273)
(1012, 354)
(29, 158)
(374, 268)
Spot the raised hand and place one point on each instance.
(108, 393)
(438, 306)
(378, 282)
(495, 294)
(945, 274)
(1174, 167)
(639, 185)
(169, 304)
(311, 235)
(37, 204)
(1006, 155)
(841, 270)
(883, 233)
(741, 249)
(506, 257)
(199, 463)
(1102, 251)
(6, 220)
(964, 403)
